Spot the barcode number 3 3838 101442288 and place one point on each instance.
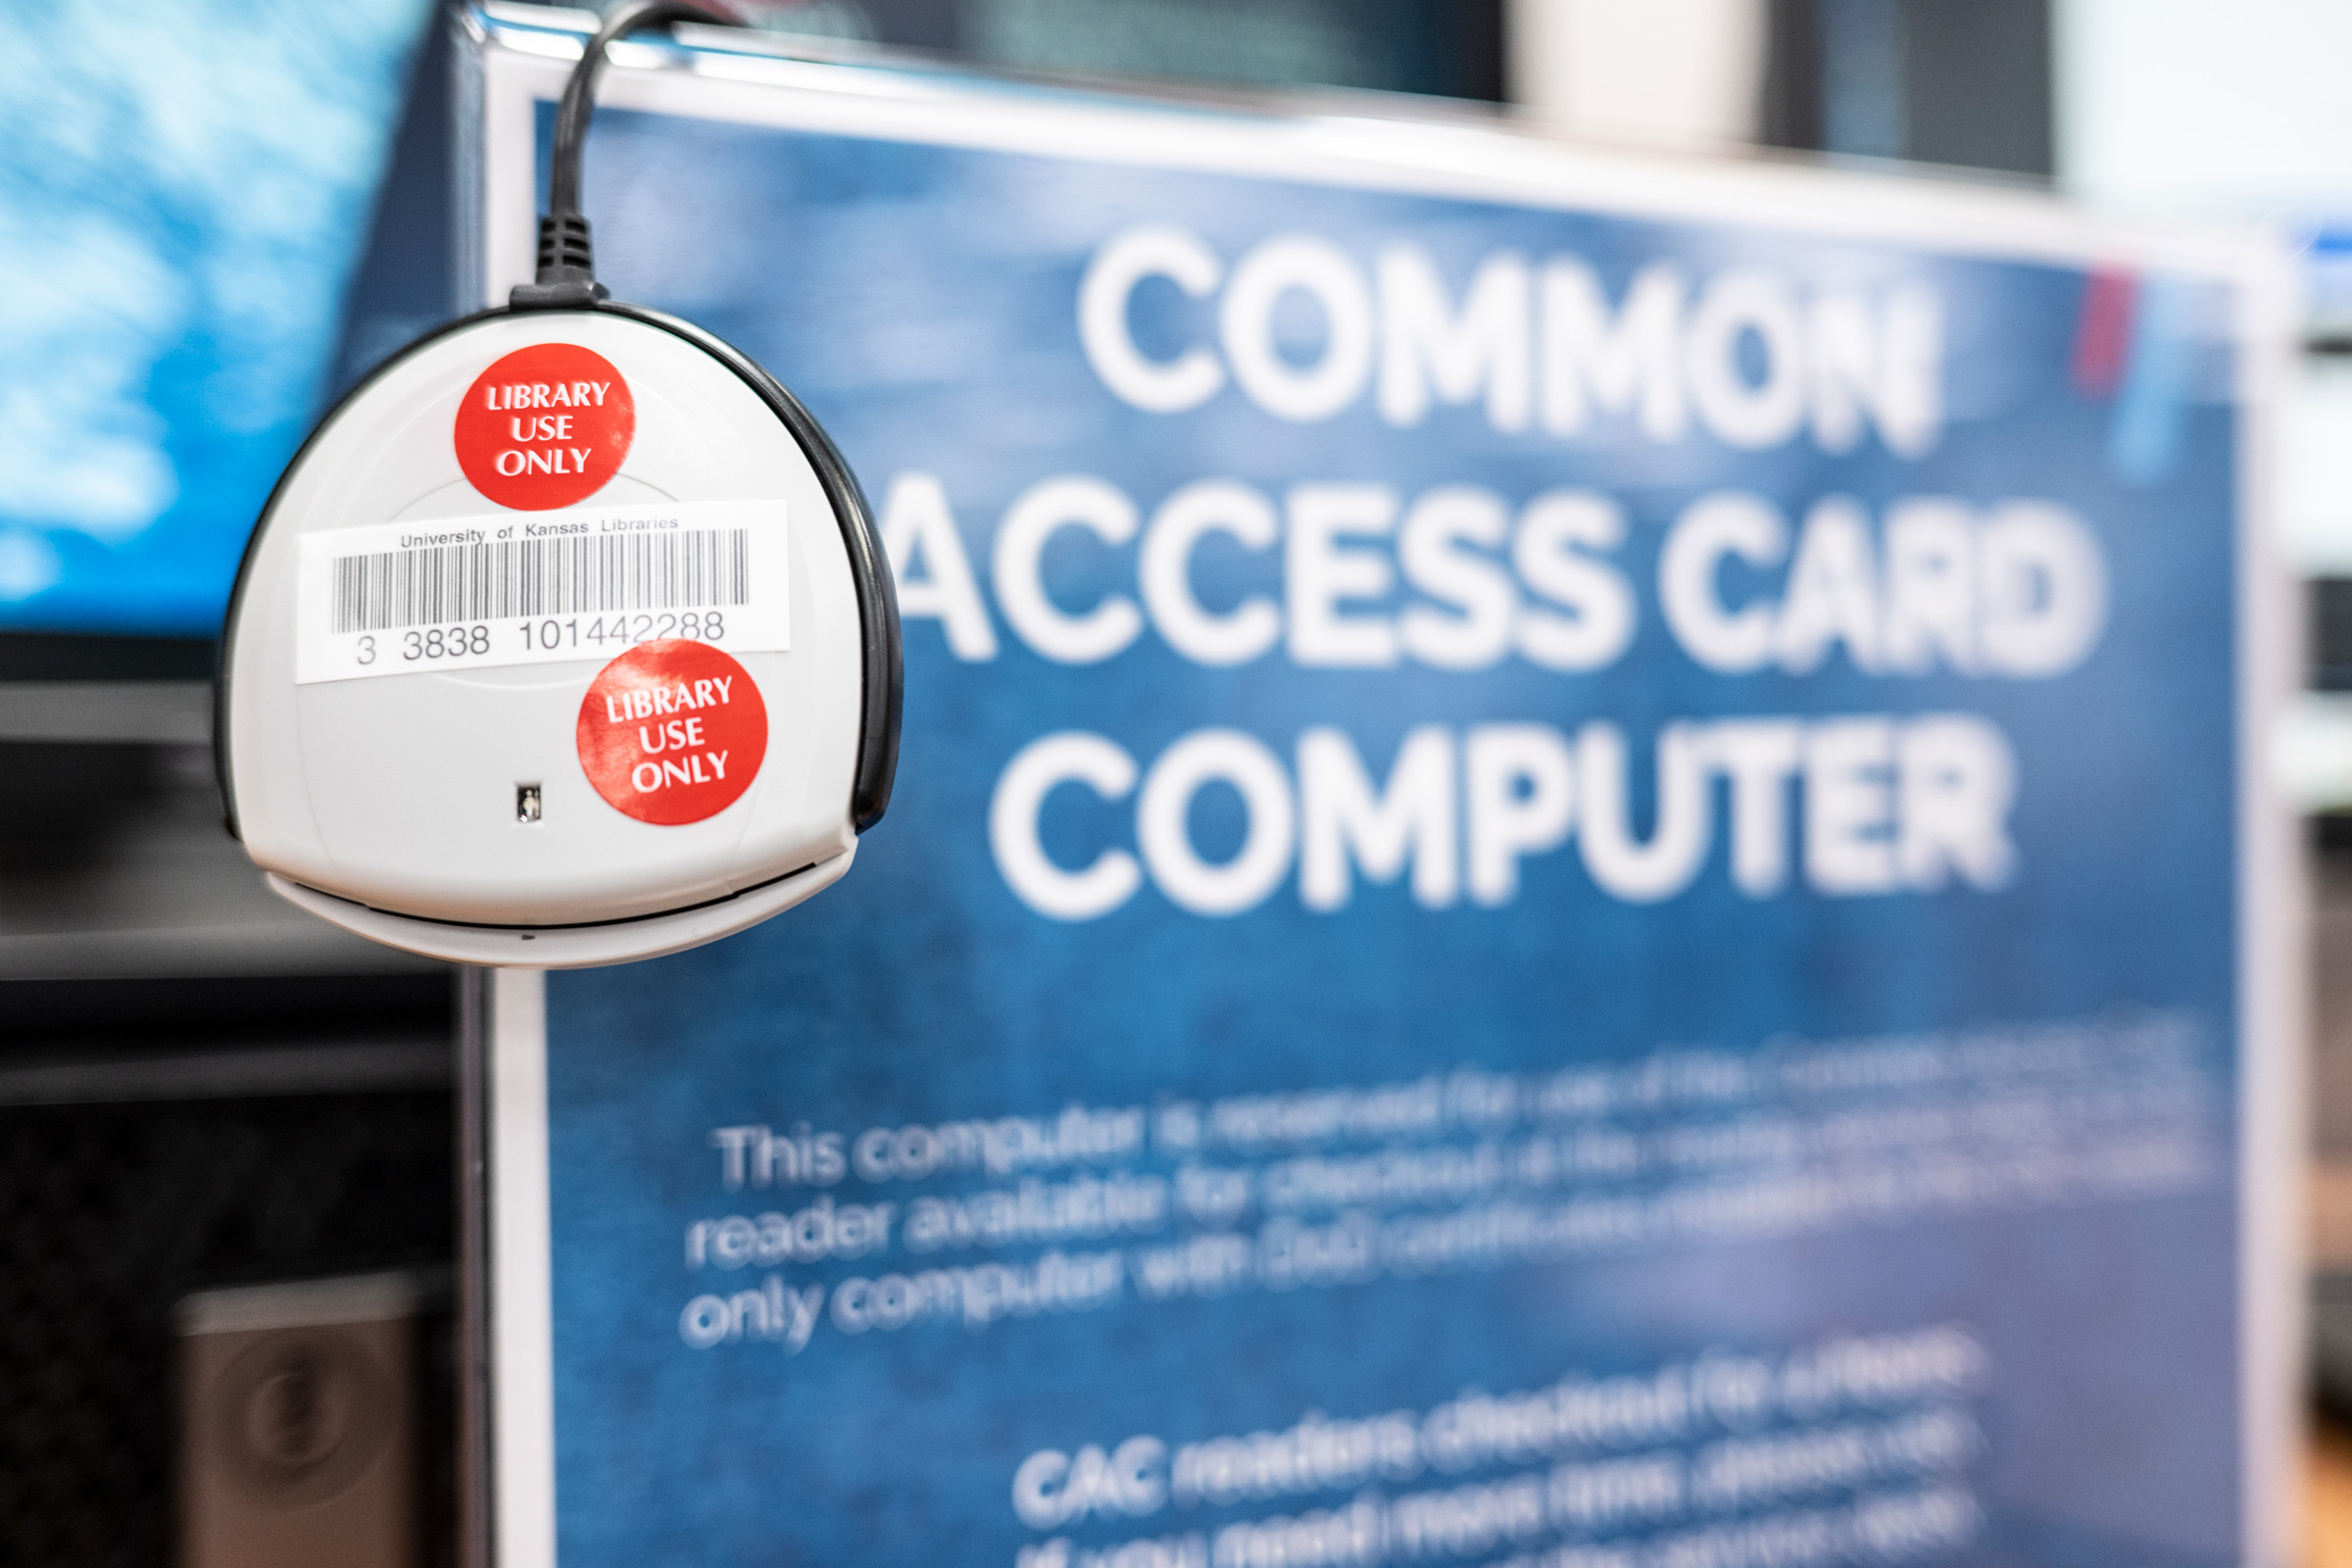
(467, 592)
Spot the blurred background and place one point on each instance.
(215, 216)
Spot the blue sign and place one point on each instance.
(1565, 888)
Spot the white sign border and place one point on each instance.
(521, 1285)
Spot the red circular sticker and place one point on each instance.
(673, 732)
(545, 426)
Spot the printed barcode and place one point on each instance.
(512, 578)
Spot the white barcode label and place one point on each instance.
(534, 588)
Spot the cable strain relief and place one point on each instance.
(566, 277)
(565, 249)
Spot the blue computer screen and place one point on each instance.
(185, 193)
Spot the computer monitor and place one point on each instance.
(186, 196)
